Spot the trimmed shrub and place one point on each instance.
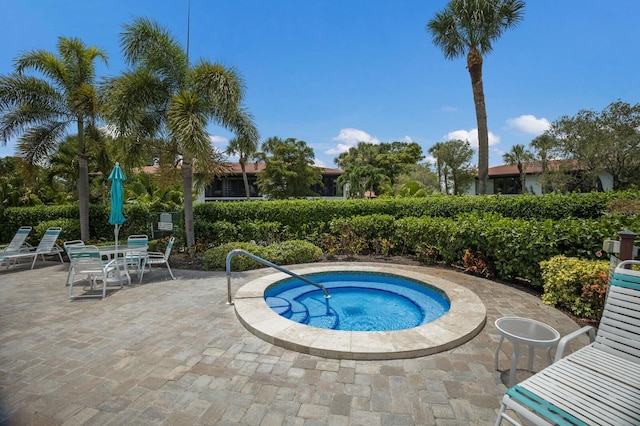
(262, 232)
(211, 234)
(70, 230)
(215, 259)
(288, 252)
(575, 284)
(292, 252)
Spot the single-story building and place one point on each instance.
(505, 179)
(230, 187)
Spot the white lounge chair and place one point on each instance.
(598, 384)
(46, 247)
(158, 258)
(18, 241)
(87, 260)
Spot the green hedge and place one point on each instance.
(285, 253)
(294, 214)
(66, 216)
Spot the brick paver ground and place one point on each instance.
(173, 353)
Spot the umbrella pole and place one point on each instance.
(116, 231)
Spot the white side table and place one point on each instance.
(526, 331)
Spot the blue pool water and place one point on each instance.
(360, 301)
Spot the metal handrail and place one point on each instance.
(267, 263)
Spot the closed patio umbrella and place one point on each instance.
(116, 217)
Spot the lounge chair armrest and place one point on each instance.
(566, 339)
(155, 254)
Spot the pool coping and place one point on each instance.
(465, 319)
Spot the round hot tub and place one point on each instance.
(462, 321)
(357, 301)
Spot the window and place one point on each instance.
(507, 185)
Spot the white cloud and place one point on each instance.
(529, 124)
(408, 139)
(471, 136)
(350, 138)
(319, 163)
(448, 108)
(430, 159)
(220, 140)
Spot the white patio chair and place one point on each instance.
(87, 260)
(158, 258)
(597, 384)
(46, 247)
(136, 250)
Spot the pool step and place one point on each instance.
(279, 305)
(299, 312)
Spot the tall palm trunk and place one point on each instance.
(523, 178)
(187, 185)
(245, 178)
(474, 65)
(83, 183)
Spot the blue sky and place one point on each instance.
(334, 73)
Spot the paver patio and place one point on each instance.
(173, 353)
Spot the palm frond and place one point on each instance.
(39, 141)
(146, 44)
(43, 62)
(17, 89)
(17, 120)
(79, 60)
(186, 120)
(136, 101)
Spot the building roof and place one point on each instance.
(531, 167)
(251, 168)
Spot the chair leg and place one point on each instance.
(144, 265)
(169, 268)
(104, 284)
(70, 283)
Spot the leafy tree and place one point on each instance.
(519, 156)
(471, 26)
(289, 171)
(454, 157)
(621, 124)
(41, 108)
(375, 168)
(396, 158)
(579, 139)
(419, 180)
(593, 142)
(165, 99)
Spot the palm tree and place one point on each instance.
(165, 97)
(544, 146)
(470, 26)
(441, 167)
(245, 145)
(41, 109)
(519, 156)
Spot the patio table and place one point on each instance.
(120, 253)
(529, 332)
